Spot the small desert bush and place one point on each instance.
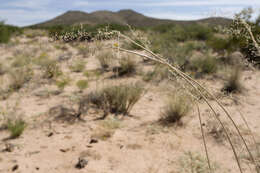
(6, 31)
(18, 77)
(82, 84)
(127, 66)
(50, 68)
(2, 69)
(117, 99)
(21, 60)
(63, 82)
(158, 74)
(222, 45)
(194, 162)
(105, 59)
(176, 108)
(16, 128)
(78, 66)
(84, 50)
(233, 83)
(204, 65)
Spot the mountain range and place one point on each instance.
(122, 17)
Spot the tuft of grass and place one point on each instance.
(233, 83)
(19, 77)
(127, 66)
(2, 69)
(105, 58)
(111, 123)
(204, 65)
(21, 61)
(50, 68)
(78, 66)
(194, 162)
(82, 84)
(16, 128)
(176, 108)
(84, 50)
(117, 99)
(158, 74)
(63, 82)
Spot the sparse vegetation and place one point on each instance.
(78, 66)
(194, 163)
(117, 99)
(233, 83)
(105, 59)
(16, 128)
(127, 66)
(204, 65)
(63, 82)
(18, 77)
(176, 108)
(82, 84)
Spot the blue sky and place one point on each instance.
(27, 12)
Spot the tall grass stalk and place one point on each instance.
(199, 88)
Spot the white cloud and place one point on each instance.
(34, 4)
(80, 3)
(176, 16)
(204, 3)
(24, 17)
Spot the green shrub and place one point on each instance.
(21, 60)
(16, 128)
(204, 65)
(105, 59)
(117, 99)
(61, 83)
(19, 77)
(50, 68)
(127, 66)
(2, 69)
(222, 45)
(6, 31)
(233, 83)
(176, 108)
(158, 74)
(78, 66)
(82, 84)
(84, 50)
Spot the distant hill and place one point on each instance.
(122, 17)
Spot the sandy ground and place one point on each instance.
(123, 144)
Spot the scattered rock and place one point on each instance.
(64, 57)
(41, 93)
(9, 147)
(93, 141)
(81, 163)
(15, 167)
(64, 150)
(50, 134)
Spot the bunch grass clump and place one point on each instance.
(105, 59)
(63, 82)
(127, 66)
(176, 108)
(78, 66)
(118, 99)
(233, 83)
(205, 65)
(19, 77)
(16, 128)
(82, 84)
